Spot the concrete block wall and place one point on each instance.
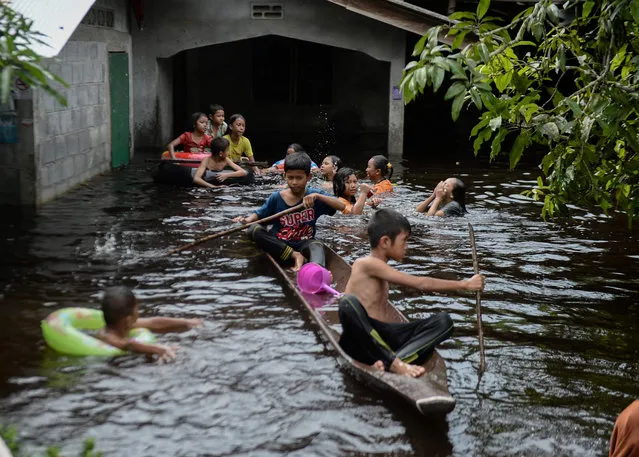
(73, 143)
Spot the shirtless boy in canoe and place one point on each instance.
(368, 335)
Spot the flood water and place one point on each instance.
(560, 322)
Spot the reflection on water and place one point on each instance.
(560, 322)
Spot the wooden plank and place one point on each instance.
(428, 394)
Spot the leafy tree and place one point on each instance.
(563, 78)
(16, 57)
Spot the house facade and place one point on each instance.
(321, 72)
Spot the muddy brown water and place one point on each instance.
(560, 321)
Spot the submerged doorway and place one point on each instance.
(329, 99)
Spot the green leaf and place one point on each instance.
(476, 97)
(495, 123)
(502, 81)
(458, 103)
(521, 142)
(634, 10)
(587, 8)
(409, 65)
(484, 54)
(454, 90)
(550, 130)
(438, 78)
(421, 78)
(459, 40)
(482, 8)
(460, 15)
(495, 147)
(419, 46)
(618, 59)
(480, 125)
(5, 83)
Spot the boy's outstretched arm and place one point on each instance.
(382, 270)
(167, 324)
(165, 353)
(333, 202)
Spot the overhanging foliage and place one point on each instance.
(564, 78)
(17, 60)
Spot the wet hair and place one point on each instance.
(384, 165)
(296, 147)
(219, 145)
(118, 303)
(339, 182)
(196, 117)
(234, 118)
(386, 222)
(459, 193)
(298, 161)
(336, 161)
(214, 108)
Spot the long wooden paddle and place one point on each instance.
(480, 331)
(237, 229)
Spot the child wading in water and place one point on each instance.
(291, 238)
(120, 309)
(216, 127)
(379, 171)
(330, 166)
(345, 189)
(197, 141)
(278, 167)
(210, 170)
(240, 145)
(448, 199)
(367, 335)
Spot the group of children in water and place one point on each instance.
(220, 167)
(368, 335)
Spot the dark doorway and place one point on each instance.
(330, 100)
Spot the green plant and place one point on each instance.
(10, 436)
(561, 78)
(17, 60)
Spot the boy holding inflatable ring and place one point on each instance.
(120, 309)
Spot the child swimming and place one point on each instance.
(120, 309)
(330, 166)
(345, 189)
(278, 167)
(379, 171)
(210, 174)
(448, 199)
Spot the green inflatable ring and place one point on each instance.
(62, 331)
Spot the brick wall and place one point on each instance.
(73, 143)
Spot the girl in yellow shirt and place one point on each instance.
(239, 144)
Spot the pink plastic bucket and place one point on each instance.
(313, 278)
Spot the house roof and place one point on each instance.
(396, 13)
(57, 19)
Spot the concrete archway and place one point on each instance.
(331, 100)
(175, 27)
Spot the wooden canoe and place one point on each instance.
(428, 393)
